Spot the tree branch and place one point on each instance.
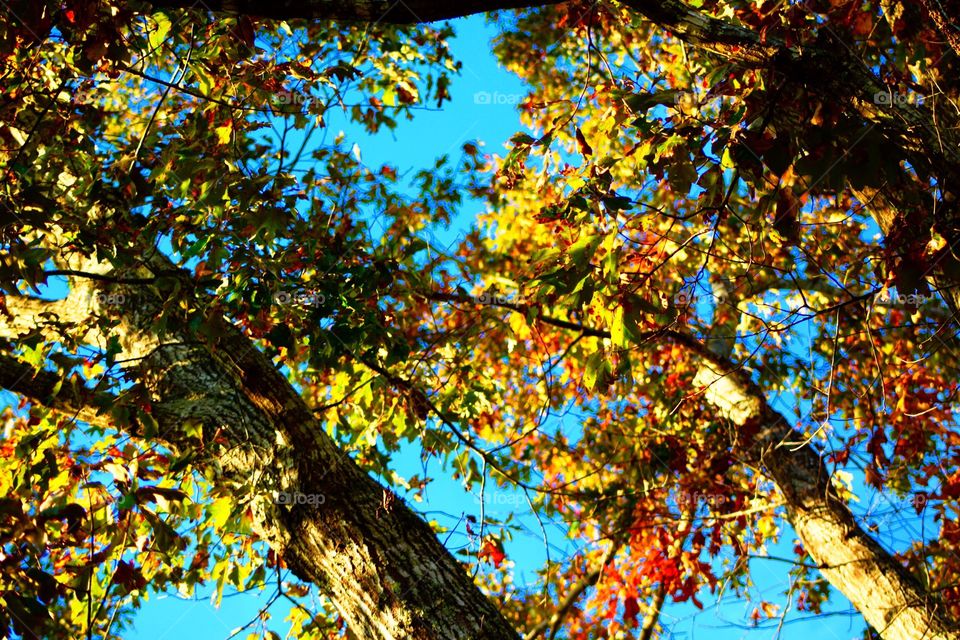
(653, 616)
(890, 599)
(22, 315)
(377, 11)
(53, 391)
(949, 26)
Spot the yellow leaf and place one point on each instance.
(193, 428)
(159, 35)
(223, 133)
(767, 527)
(220, 512)
(617, 333)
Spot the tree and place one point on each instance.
(233, 353)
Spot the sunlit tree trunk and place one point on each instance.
(379, 562)
(890, 599)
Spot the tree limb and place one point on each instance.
(890, 599)
(948, 25)
(377, 11)
(53, 391)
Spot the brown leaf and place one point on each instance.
(585, 149)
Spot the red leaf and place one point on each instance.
(128, 576)
(492, 550)
(630, 610)
(245, 31)
(873, 476)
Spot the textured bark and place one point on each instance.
(890, 599)
(383, 11)
(382, 565)
(947, 21)
(378, 561)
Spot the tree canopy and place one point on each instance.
(724, 240)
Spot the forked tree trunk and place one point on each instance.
(380, 563)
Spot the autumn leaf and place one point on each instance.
(492, 550)
(585, 149)
(630, 610)
(221, 327)
(224, 132)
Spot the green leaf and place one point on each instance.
(113, 349)
(617, 203)
(591, 372)
(582, 251)
(197, 247)
(522, 139)
(642, 102)
(126, 502)
(618, 334)
(165, 536)
(681, 176)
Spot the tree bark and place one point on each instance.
(889, 598)
(379, 562)
(382, 11)
(947, 24)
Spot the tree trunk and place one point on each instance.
(880, 588)
(333, 525)
(889, 598)
(383, 11)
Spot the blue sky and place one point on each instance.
(484, 108)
